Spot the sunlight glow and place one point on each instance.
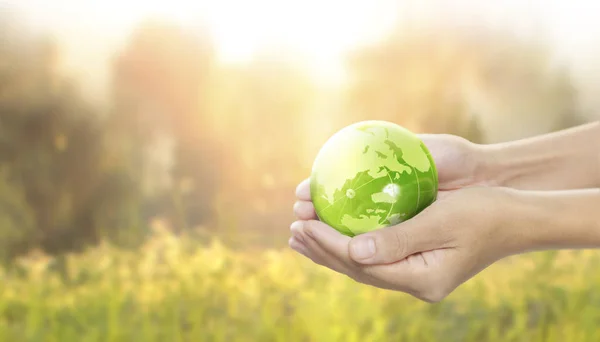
(319, 32)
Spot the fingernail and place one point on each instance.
(296, 229)
(296, 225)
(363, 248)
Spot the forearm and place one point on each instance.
(539, 220)
(568, 159)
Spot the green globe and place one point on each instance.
(370, 175)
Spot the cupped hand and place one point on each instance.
(459, 162)
(427, 256)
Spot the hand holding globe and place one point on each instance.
(484, 210)
(458, 163)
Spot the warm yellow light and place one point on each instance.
(319, 32)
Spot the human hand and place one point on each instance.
(427, 256)
(562, 160)
(459, 163)
(474, 222)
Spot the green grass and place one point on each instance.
(175, 290)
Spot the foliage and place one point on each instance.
(457, 81)
(267, 126)
(68, 174)
(177, 290)
(161, 83)
(223, 146)
(53, 181)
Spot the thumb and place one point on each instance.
(392, 244)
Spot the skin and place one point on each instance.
(494, 201)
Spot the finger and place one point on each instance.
(426, 275)
(319, 254)
(331, 249)
(442, 194)
(338, 245)
(298, 246)
(391, 244)
(430, 141)
(402, 276)
(408, 275)
(301, 248)
(329, 239)
(303, 190)
(305, 210)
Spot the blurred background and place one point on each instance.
(149, 152)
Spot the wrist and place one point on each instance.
(489, 168)
(508, 165)
(542, 220)
(562, 160)
(510, 209)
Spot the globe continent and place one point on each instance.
(370, 175)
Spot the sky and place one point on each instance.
(320, 31)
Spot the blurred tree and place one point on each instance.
(455, 80)
(517, 80)
(161, 85)
(273, 98)
(269, 123)
(52, 182)
(17, 220)
(413, 79)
